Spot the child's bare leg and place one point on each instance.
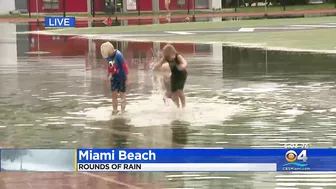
(176, 99)
(166, 97)
(115, 101)
(182, 97)
(123, 102)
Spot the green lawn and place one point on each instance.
(288, 8)
(318, 39)
(192, 26)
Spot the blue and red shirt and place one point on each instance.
(117, 66)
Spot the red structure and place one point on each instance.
(174, 5)
(145, 5)
(78, 6)
(57, 45)
(135, 52)
(47, 6)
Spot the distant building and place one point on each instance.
(84, 6)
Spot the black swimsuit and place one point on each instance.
(177, 78)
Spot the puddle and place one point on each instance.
(236, 97)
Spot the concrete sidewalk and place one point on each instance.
(205, 15)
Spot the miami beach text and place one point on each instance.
(89, 155)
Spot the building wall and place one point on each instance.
(177, 5)
(21, 5)
(145, 5)
(202, 4)
(71, 6)
(215, 4)
(6, 6)
(99, 5)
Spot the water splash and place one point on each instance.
(152, 111)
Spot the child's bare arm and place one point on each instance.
(158, 65)
(108, 75)
(183, 63)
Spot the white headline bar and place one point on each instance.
(176, 167)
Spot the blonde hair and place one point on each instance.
(107, 49)
(168, 51)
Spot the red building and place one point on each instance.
(78, 6)
(51, 6)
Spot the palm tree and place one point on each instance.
(13, 154)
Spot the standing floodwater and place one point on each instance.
(235, 98)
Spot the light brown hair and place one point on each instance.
(168, 51)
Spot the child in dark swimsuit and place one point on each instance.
(178, 75)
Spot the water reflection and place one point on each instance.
(179, 133)
(248, 62)
(8, 44)
(108, 22)
(120, 132)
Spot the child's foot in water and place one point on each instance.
(115, 112)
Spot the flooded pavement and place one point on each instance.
(236, 97)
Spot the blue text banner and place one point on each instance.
(285, 159)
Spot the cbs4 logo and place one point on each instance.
(291, 156)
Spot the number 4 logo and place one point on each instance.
(303, 156)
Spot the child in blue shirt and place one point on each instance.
(116, 75)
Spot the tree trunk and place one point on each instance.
(21, 162)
